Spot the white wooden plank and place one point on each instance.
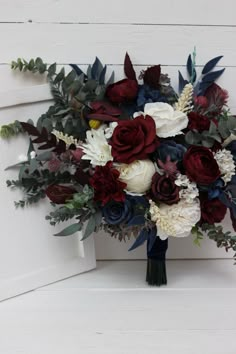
(121, 310)
(123, 11)
(146, 44)
(130, 275)
(25, 95)
(137, 321)
(35, 339)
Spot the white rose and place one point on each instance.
(175, 220)
(137, 175)
(168, 121)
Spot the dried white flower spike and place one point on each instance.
(185, 100)
(68, 139)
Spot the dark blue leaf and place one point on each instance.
(142, 237)
(191, 71)
(211, 64)
(77, 69)
(233, 209)
(96, 69)
(182, 82)
(203, 86)
(225, 200)
(102, 75)
(136, 220)
(211, 77)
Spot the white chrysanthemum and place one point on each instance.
(110, 129)
(137, 176)
(226, 165)
(189, 190)
(175, 220)
(68, 139)
(169, 122)
(96, 149)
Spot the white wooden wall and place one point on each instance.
(152, 31)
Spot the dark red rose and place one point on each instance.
(216, 97)
(211, 210)
(201, 101)
(200, 165)
(107, 185)
(122, 91)
(151, 76)
(216, 146)
(198, 122)
(81, 177)
(134, 139)
(59, 194)
(164, 189)
(104, 111)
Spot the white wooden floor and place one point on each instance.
(112, 311)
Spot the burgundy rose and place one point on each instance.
(198, 122)
(122, 91)
(201, 101)
(200, 165)
(104, 111)
(151, 76)
(107, 185)
(134, 139)
(211, 210)
(59, 194)
(81, 176)
(164, 189)
(216, 97)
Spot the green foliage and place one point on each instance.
(72, 94)
(70, 230)
(82, 199)
(61, 214)
(93, 222)
(198, 235)
(34, 66)
(80, 207)
(207, 138)
(10, 130)
(222, 239)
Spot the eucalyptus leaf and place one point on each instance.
(70, 230)
(45, 156)
(90, 228)
(52, 69)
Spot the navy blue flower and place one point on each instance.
(172, 149)
(131, 211)
(116, 213)
(216, 189)
(148, 95)
(232, 148)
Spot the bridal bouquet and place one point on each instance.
(132, 157)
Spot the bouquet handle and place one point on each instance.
(156, 262)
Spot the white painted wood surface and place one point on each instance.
(30, 256)
(153, 32)
(124, 11)
(111, 310)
